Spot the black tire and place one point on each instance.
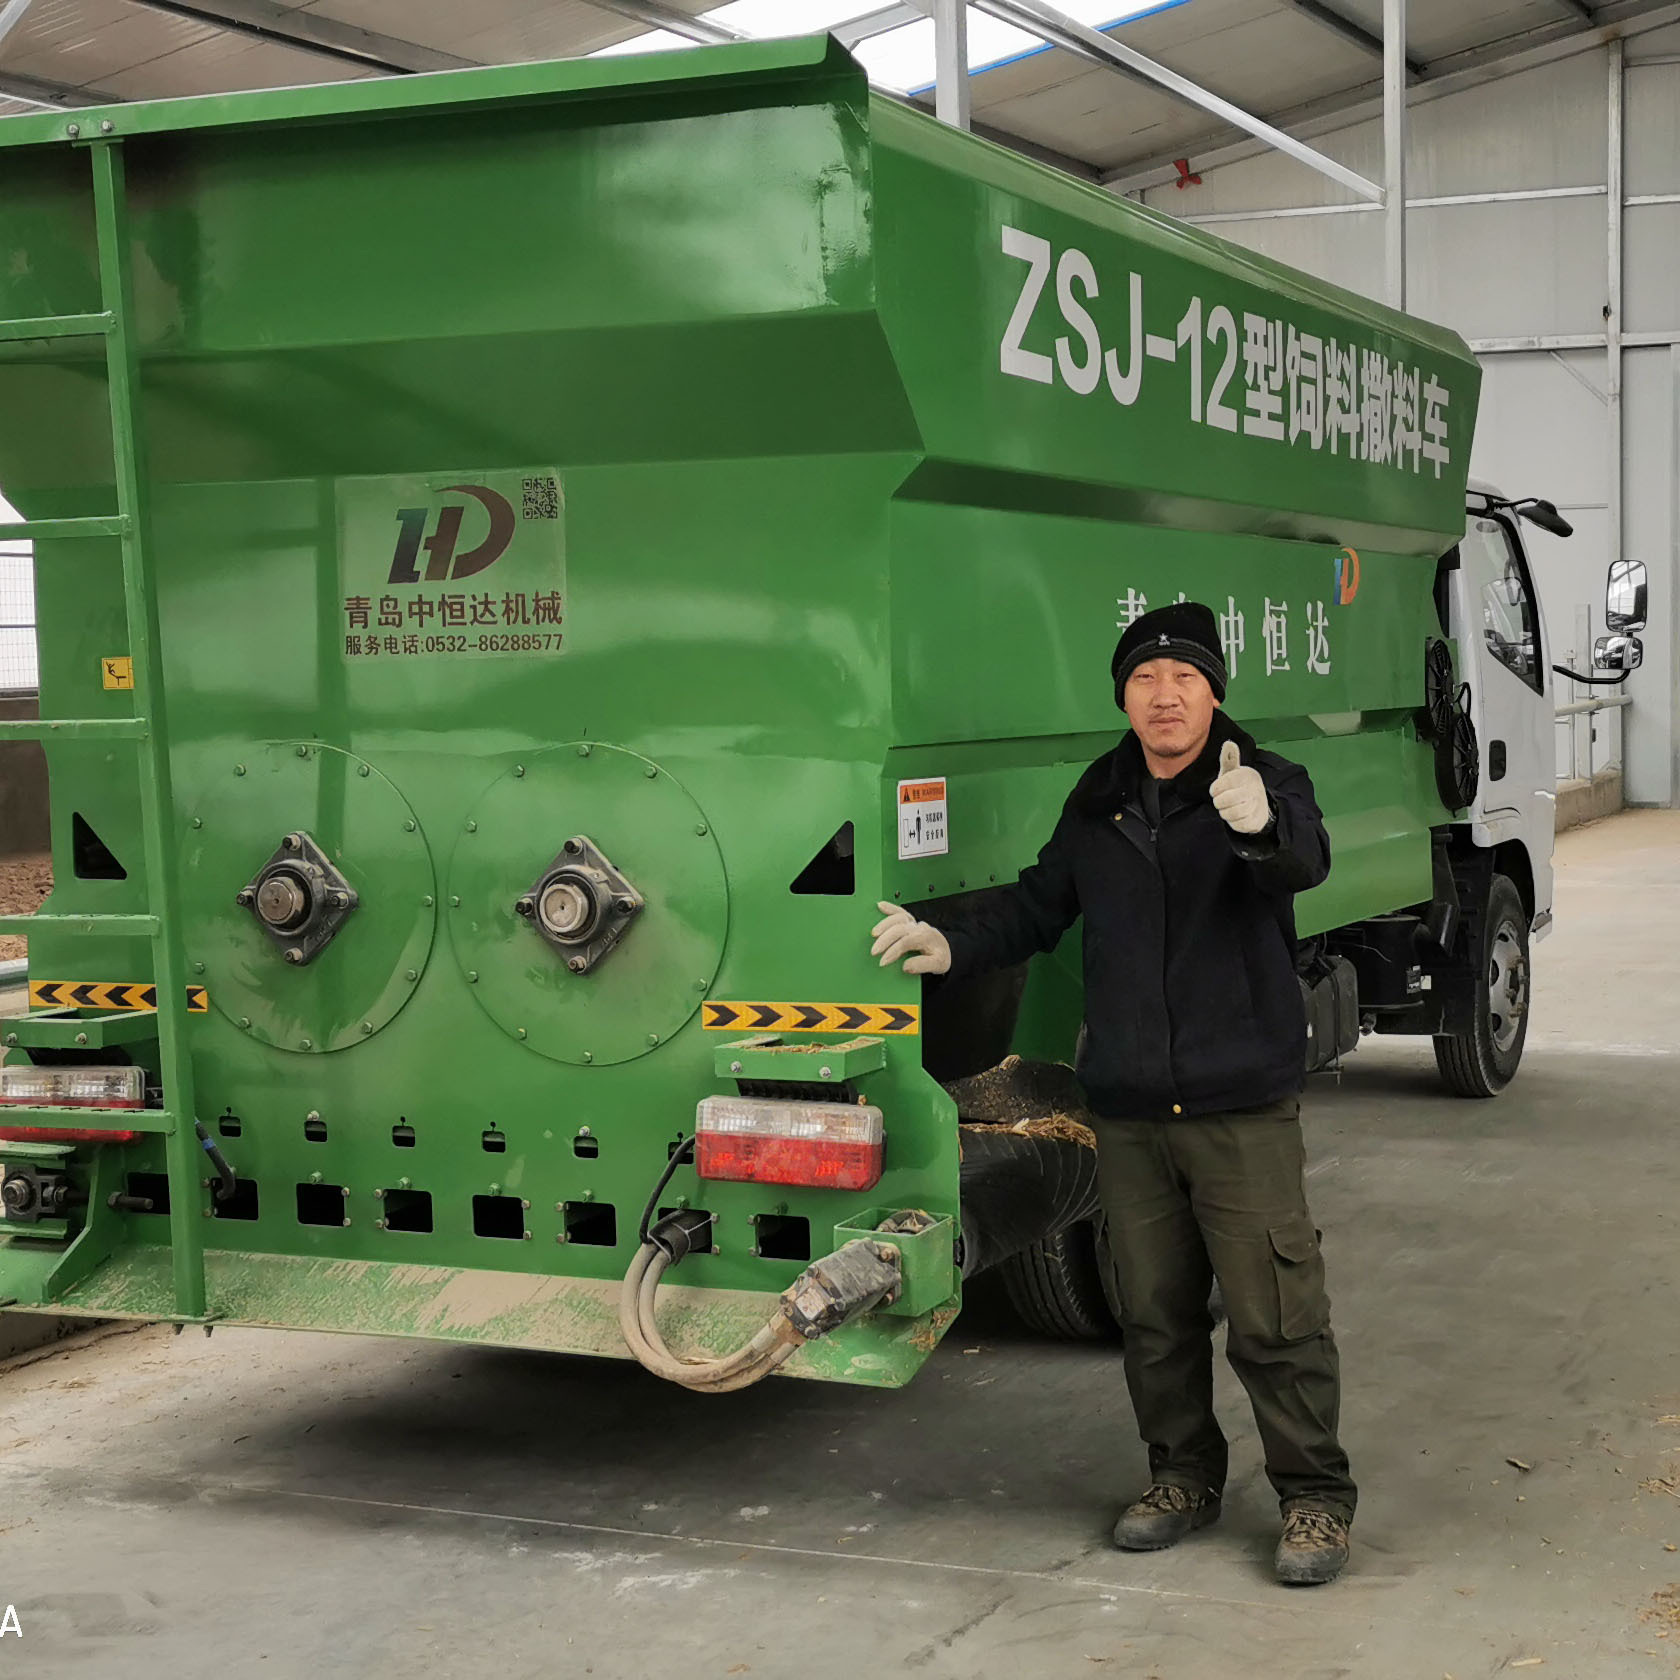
(1056, 1288)
(1483, 1061)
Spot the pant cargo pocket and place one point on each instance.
(1298, 1267)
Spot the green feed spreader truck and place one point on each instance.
(527, 557)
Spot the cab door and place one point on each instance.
(1501, 637)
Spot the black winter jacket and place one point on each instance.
(1192, 1005)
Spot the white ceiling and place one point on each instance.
(1274, 58)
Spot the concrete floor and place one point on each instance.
(1504, 1281)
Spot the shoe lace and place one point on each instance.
(1165, 1496)
(1313, 1528)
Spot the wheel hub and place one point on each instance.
(1507, 986)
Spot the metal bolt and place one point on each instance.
(651, 771)
(583, 751)
(472, 976)
(624, 905)
(411, 975)
(559, 1236)
(409, 826)
(576, 964)
(405, 1183)
(588, 1196)
(11, 1041)
(588, 1056)
(239, 769)
(198, 968)
(378, 1224)
(584, 1131)
(701, 985)
(106, 126)
(74, 130)
(303, 752)
(380, 1195)
(289, 843)
(341, 900)
(245, 1022)
(427, 901)
(521, 1031)
(472, 827)
(653, 1038)
(346, 1221)
(527, 1236)
(735, 1067)
(455, 900)
(81, 1038)
(825, 1073)
(526, 1204)
(293, 954)
(519, 769)
(525, 907)
(495, 1189)
(313, 1114)
(198, 822)
(367, 1028)
(244, 898)
(572, 847)
(306, 1044)
(364, 769)
(314, 1178)
(700, 828)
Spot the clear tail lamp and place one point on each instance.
(69, 1087)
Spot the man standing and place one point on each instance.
(1183, 849)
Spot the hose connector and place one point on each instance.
(832, 1291)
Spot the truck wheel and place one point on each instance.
(1056, 1288)
(1483, 1061)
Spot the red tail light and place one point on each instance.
(762, 1140)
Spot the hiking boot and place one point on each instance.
(1314, 1547)
(1163, 1516)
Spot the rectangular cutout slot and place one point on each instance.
(592, 1223)
(242, 1204)
(782, 1237)
(321, 1204)
(408, 1210)
(230, 1125)
(585, 1147)
(402, 1135)
(315, 1131)
(495, 1143)
(153, 1186)
(499, 1216)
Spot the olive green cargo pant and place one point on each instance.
(1189, 1200)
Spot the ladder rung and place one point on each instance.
(82, 729)
(53, 922)
(37, 530)
(86, 1119)
(57, 326)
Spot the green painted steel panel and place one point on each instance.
(763, 436)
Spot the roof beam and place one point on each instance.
(878, 22)
(657, 16)
(1355, 34)
(263, 20)
(1579, 9)
(1338, 111)
(54, 96)
(1056, 27)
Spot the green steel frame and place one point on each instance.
(147, 729)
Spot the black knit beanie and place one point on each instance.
(1183, 630)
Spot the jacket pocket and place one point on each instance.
(1298, 1268)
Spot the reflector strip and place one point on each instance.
(898, 1018)
(107, 994)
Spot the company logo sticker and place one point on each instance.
(1347, 576)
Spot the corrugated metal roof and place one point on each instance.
(1273, 58)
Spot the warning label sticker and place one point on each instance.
(922, 825)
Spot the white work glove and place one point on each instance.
(1239, 796)
(899, 934)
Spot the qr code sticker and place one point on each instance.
(542, 498)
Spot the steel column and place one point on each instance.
(950, 58)
(1394, 151)
(1613, 307)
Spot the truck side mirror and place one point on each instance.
(1618, 653)
(1546, 516)
(1625, 596)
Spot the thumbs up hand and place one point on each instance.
(1238, 794)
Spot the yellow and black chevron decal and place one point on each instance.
(106, 994)
(811, 1017)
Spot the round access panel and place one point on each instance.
(639, 829)
(243, 809)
